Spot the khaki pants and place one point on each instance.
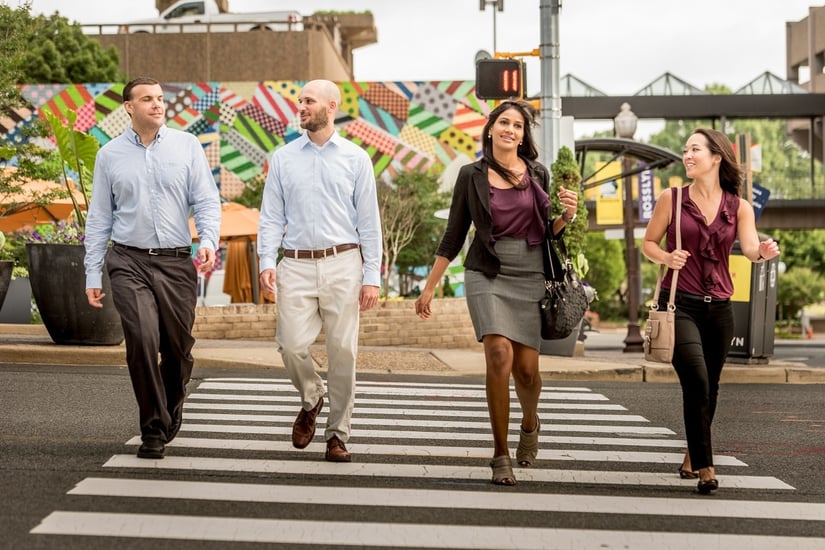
(312, 293)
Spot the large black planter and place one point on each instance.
(5, 278)
(58, 281)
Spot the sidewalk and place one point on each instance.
(600, 358)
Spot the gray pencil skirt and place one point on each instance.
(508, 304)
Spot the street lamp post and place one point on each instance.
(498, 5)
(624, 126)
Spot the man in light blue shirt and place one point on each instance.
(145, 182)
(320, 205)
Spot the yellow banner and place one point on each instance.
(608, 196)
(740, 271)
(609, 188)
(609, 211)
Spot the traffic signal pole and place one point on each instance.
(492, 78)
(550, 80)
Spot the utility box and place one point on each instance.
(17, 307)
(754, 308)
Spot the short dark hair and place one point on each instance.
(730, 171)
(139, 81)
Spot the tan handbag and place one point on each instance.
(660, 329)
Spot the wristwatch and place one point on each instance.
(566, 219)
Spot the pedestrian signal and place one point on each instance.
(500, 79)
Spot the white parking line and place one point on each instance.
(453, 499)
(400, 535)
(362, 432)
(485, 423)
(433, 471)
(414, 390)
(439, 451)
(434, 435)
(395, 384)
(217, 401)
(388, 411)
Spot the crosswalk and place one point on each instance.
(419, 478)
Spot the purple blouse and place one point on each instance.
(520, 213)
(707, 271)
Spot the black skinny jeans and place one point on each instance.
(703, 337)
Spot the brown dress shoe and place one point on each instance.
(303, 430)
(337, 451)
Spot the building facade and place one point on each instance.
(805, 55)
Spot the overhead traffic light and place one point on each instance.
(500, 78)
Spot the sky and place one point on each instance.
(616, 47)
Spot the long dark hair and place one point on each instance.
(527, 147)
(730, 173)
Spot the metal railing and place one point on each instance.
(166, 27)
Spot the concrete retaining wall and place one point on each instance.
(391, 323)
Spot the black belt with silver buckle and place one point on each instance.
(697, 298)
(176, 252)
(318, 254)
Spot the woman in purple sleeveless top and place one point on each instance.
(713, 217)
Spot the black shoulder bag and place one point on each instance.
(565, 300)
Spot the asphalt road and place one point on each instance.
(606, 477)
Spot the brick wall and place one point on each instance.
(391, 323)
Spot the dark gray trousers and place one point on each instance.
(155, 297)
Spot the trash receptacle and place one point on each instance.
(754, 308)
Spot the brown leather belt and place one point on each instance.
(318, 254)
(176, 252)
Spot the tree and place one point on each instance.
(607, 269)
(253, 192)
(43, 50)
(798, 288)
(802, 248)
(785, 166)
(20, 160)
(566, 174)
(407, 204)
(58, 51)
(15, 27)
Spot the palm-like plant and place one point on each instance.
(77, 152)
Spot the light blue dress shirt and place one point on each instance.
(318, 197)
(142, 196)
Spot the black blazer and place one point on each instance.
(471, 204)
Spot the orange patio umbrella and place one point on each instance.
(236, 221)
(239, 227)
(19, 210)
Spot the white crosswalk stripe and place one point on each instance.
(426, 434)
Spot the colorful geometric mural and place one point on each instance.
(404, 126)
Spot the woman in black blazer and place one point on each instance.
(504, 195)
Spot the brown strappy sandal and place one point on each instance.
(528, 446)
(502, 471)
